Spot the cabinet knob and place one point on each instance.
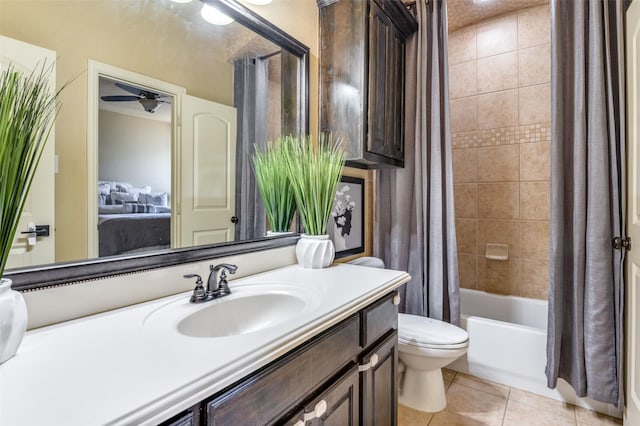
(396, 299)
(318, 411)
(373, 361)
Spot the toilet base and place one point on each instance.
(423, 390)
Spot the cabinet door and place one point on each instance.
(386, 89)
(338, 405)
(378, 383)
(378, 34)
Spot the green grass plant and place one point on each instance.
(314, 170)
(27, 112)
(269, 165)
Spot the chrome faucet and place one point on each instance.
(214, 288)
(221, 288)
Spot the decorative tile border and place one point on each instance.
(528, 133)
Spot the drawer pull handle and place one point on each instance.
(396, 299)
(318, 411)
(372, 363)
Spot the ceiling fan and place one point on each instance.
(150, 101)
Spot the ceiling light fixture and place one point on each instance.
(259, 2)
(214, 16)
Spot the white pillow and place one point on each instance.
(155, 198)
(123, 197)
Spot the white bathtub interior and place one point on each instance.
(507, 345)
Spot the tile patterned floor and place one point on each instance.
(476, 402)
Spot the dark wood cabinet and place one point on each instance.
(378, 384)
(344, 376)
(362, 73)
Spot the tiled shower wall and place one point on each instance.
(499, 75)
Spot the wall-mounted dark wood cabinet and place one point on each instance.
(362, 73)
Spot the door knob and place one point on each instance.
(234, 219)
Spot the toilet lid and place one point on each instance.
(428, 332)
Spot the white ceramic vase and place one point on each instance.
(315, 251)
(13, 320)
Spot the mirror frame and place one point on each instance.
(53, 275)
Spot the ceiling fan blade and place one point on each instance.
(119, 98)
(131, 89)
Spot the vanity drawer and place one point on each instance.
(267, 396)
(379, 318)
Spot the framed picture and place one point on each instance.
(346, 224)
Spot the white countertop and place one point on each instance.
(121, 367)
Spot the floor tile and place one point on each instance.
(482, 385)
(448, 376)
(476, 404)
(593, 418)
(446, 418)
(519, 414)
(410, 417)
(543, 403)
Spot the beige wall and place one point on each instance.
(104, 31)
(135, 150)
(499, 73)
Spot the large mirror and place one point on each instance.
(118, 57)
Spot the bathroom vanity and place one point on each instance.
(289, 346)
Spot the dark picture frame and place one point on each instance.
(346, 224)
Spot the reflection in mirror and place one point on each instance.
(261, 80)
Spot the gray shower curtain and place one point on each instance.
(584, 342)
(250, 95)
(415, 225)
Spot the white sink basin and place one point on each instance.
(249, 308)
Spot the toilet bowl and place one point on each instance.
(425, 346)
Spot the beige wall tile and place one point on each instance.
(462, 45)
(466, 199)
(534, 26)
(499, 163)
(463, 114)
(462, 80)
(534, 65)
(499, 232)
(498, 200)
(477, 405)
(534, 104)
(497, 36)
(465, 165)
(542, 403)
(499, 276)
(535, 240)
(499, 72)
(466, 235)
(535, 199)
(498, 109)
(534, 275)
(467, 270)
(518, 414)
(594, 418)
(535, 161)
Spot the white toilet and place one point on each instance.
(425, 345)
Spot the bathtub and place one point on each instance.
(507, 345)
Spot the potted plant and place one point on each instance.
(27, 110)
(269, 165)
(314, 171)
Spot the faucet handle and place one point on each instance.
(199, 294)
